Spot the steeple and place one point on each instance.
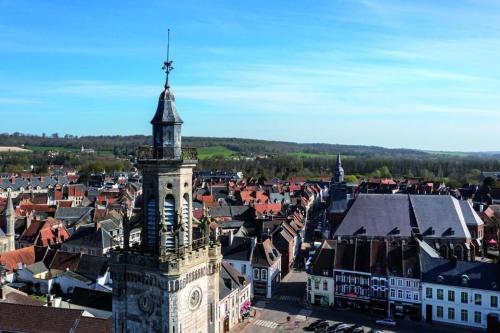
(338, 172)
(166, 122)
(10, 220)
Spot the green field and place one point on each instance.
(105, 152)
(448, 153)
(316, 155)
(209, 152)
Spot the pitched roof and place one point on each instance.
(479, 275)
(95, 299)
(323, 263)
(240, 249)
(92, 266)
(377, 215)
(65, 260)
(440, 213)
(25, 256)
(13, 317)
(265, 254)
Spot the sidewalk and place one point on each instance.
(243, 325)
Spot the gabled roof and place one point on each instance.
(265, 254)
(65, 260)
(240, 249)
(90, 236)
(24, 256)
(92, 266)
(324, 260)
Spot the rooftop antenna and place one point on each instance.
(167, 65)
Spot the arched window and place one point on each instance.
(169, 221)
(185, 219)
(151, 223)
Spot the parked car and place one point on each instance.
(387, 322)
(341, 328)
(356, 329)
(316, 324)
(332, 328)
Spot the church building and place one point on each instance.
(171, 282)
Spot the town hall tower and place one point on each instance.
(171, 283)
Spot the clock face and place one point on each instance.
(145, 304)
(194, 298)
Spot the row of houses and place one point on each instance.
(367, 275)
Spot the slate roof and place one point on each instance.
(92, 266)
(265, 254)
(95, 299)
(72, 214)
(240, 249)
(65, 260)
(480, 275)
(470, 215)
(166, 111)
(324, 259)
(88, 236)
(377, 215)
(439, 213)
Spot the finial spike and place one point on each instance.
(167, 65)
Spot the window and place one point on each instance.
(256, 273)
(263, 274)
(408, 283)
(428, 292)
(408, 295)
(393, 293)
(415, 296)
(243, 269)
(477, 317)
(477, 299)
(439, 311)
(494, 301)
(308, 283)
(316, 284)
(464, 316)
(400, 282)
(451, 313)
(451, 296)
(325, 285)
(464, 297)
(440, 294)
(391, 281)
(375, 282)
(400, 294)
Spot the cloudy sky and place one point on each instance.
(416, 74)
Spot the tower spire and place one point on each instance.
(167, 65)
(338, 172)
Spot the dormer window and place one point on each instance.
(440, 278)
(465, 280)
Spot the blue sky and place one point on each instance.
(416, 74)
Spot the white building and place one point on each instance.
(320, 282)
(460, 293)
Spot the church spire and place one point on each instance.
(338, 172)
(166, 121)
(10, 219)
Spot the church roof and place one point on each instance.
(166, 111)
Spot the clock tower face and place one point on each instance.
(195, 298)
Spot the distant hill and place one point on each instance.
(210, 146)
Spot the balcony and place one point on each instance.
(153, 153)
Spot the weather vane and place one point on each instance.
(167, 65)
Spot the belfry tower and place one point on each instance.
(169, 284)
